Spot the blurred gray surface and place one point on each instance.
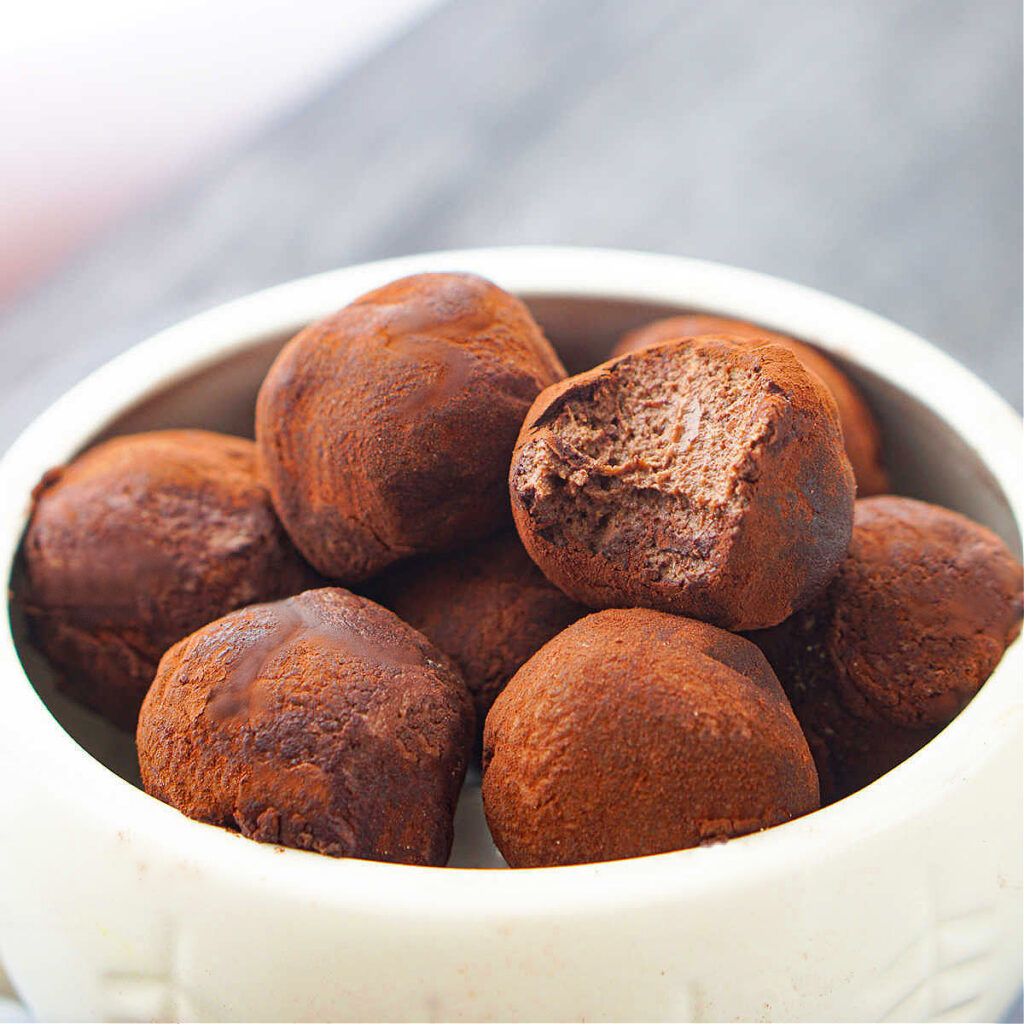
(871, 148)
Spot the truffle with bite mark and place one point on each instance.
(387, 428)
(703, 477)
(321, 722)
(916, 619)
(488, 608)
(635, 732)
(861, 435)
(139, 541)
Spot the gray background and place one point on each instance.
(871, 148)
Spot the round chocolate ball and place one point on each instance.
(138, 542)
(704, 477)
(321, 722)
(635, 732)
(387, 428)
(916, 619)
(861, 435)
(488, 607)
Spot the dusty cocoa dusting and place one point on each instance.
(861, 434)
(488, 607)
(322, 722)
(138, 542)
(634, 732)
(387, 428)
(702, 477)
(916, 619)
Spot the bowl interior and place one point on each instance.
(926, 457)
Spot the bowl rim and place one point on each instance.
(992, 720)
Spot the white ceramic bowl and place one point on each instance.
(900, 902)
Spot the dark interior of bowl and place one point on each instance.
(926, 458)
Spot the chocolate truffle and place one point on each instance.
(861, 435)
(635, 732)
(914, 622)
(488, 608)
(322, 722)
(703, 477)
(387, 428)
(138, 542)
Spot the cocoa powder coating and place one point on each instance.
(916, 619)
(138, 542)
(634, 732)
(387, 428)
(703, 477)
(861, 434)
(488, 607)
(321, 722)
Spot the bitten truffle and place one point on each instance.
(322, 722)
(703, 477)
(138, 542)
(488, 608)
(914, 622)
(387, 428)
(861, 434)
(634, 732)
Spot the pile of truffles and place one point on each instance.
(553, 576)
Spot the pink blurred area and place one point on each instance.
(104, 104)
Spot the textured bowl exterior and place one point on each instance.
(901, 902)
